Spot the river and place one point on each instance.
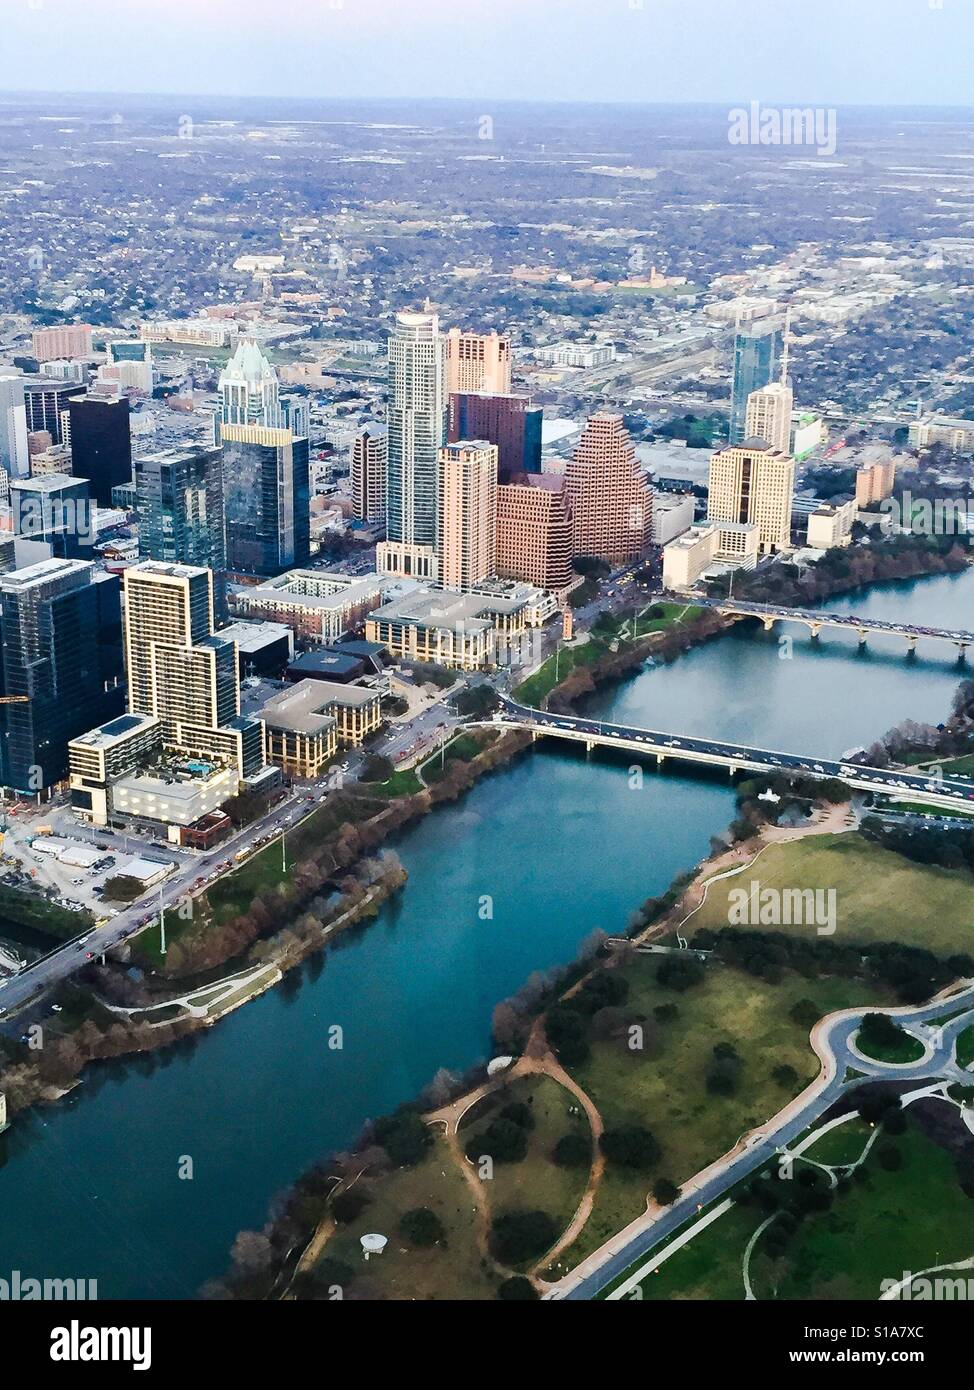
(91, 1188)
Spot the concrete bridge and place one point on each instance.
(770, 613)
(954, 794)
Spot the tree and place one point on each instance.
(404, 1136)
(348, 1206)
(518, 1289)
(421, 1227)
(679, 974)
(502, 1140)
(376, 768)
(630, 1146)
(665, 1192)
(573, 1151)
(522, 1235)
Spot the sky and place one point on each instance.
(828, 52)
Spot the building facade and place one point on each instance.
(62, 655)
(14, 450)
(753, 483)
(478, 362)
(757, 353)
(768, 416)
(417, 428)
(534, 532)
(179, 501)
(509, 421)
(467, 513)
(101, 443)
(368, 475)
(610, 497)
(267, 499)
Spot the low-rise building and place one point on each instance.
(687, 559)
(316, 606)
(299, 736)
(831, 525)
(461, 631)
(673, 514)
(955, 433)
(97, 760)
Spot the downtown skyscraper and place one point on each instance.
(757, 354)
(417, 430)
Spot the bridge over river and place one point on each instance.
(956, 794)
(815, 621)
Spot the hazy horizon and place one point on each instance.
(875, 53)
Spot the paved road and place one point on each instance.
(832, 1040)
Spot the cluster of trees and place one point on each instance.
(910, 739)
(949, 849)
(904, 556)
(912, 972)
(569, 1023)
(506, 1137)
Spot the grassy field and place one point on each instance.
(664, 1087)
(444, 1272)
(904, 1050)
(536, 1183)
(842, 1145)
(910, 1219)
(905, 1220)
(880, 896)
(965, 1048)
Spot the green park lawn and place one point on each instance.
(664, 1088)
(536, 1183)
(880, 896)
(877, 1229)
(452, 1270)
(965, 1048)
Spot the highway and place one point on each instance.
(944, 792)
(833, 1041)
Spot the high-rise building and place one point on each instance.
(534, 531)
(757, 353)
(266, 498)
(874, 482)
(179, 500)
(66, 340)
(753, 484)
(249, 389)
(130, 365)
(417, 428)
(368, 472)
(179, 670)
(47, 403)
(101, 443)
(467, 521)
(478, 362)
(54, 508)
(509, 421)
(610, 497)
(768, 416)
(62, 650)
(14, 452)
